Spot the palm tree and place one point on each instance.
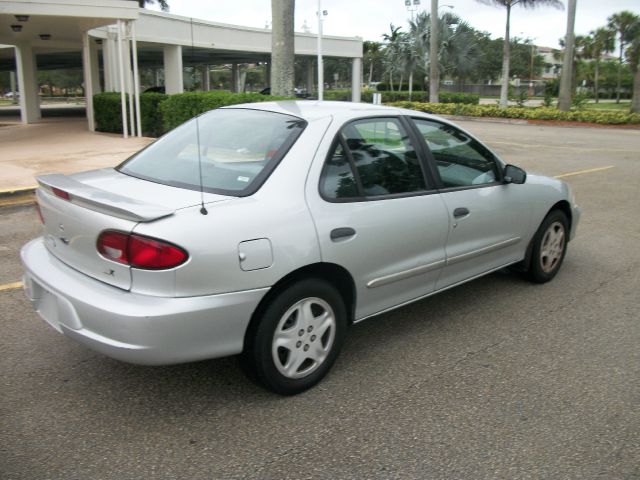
(282, 47)
(372, 55)
(633, 57)
(164, 5)
(392, 41)
(603, 42)
(621, 23)
(509, 4)
(566, 78)
(457, 50)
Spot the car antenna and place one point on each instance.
(203, 209)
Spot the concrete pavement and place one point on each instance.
(498, 378)
(57, 145)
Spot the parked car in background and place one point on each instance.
(266, 229)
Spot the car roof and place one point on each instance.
(313, 109)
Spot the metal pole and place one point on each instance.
(123, 103)
(136, 79)
(434, 72)
(320, 65)
(127, 26)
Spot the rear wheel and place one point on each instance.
(549, 247)
(297, 338)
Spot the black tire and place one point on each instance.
(549, 247)
(291, 314)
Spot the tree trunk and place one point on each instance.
(564, 102)
(619, 82)
(504, 88)
(434, 44)
(596, 81)
(370, 73)
(282, 53)
(410, 83)
(401, 80)
(391, 81)
(635, 100)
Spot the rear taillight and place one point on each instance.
(60, 193)
(140, 252)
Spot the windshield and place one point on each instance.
(233, 150)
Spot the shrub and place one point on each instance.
(160, 113)
(416, 96)
(108, 112)
(179, 108)
(526, 113)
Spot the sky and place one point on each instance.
(369, 19)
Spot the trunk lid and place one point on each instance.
(77, 208)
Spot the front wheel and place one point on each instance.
(297, 338)
(549, 247)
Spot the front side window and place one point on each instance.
(233, 150)
(372, 157)
(461, 160)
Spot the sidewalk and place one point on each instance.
(57, 145)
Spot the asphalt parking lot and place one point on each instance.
(498, 378)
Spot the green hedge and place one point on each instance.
(385, 87)
(416, 96)
(526, 113)
(108, 112)
(179, 108)
(160, 113)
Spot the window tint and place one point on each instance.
(383, 156)
(338, 180)
(231, 150)
(461, 161)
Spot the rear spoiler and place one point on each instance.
(101, 201)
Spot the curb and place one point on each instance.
(17, 196)
(16, 192)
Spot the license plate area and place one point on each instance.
(52, 308)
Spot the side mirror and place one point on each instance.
(513, 174)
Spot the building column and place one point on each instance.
(267, 74)
(110, 61)
(310, 76)
(356, 80)
(235, 71)
(14, 90)
(89, 79)
(206, 83)
(173, 69)
(95, 66)
(27, 84)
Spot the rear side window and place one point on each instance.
(371, 158)
(232, 150)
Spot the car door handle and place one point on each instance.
(460, 212)
(343, 232)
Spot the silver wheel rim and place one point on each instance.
(304, 337)
(552, 247)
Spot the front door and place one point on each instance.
(487, 228)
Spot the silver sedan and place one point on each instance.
(267, 229)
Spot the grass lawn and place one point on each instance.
(622, 106)
(5, 102)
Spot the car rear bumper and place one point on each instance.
(132, 327)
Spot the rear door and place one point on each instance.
(377, 213)
(489, 219)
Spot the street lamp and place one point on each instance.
(321, 14)
(412, 6)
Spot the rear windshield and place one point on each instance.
(232, 150)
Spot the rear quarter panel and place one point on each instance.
(277, 212)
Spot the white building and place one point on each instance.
(118, 36)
